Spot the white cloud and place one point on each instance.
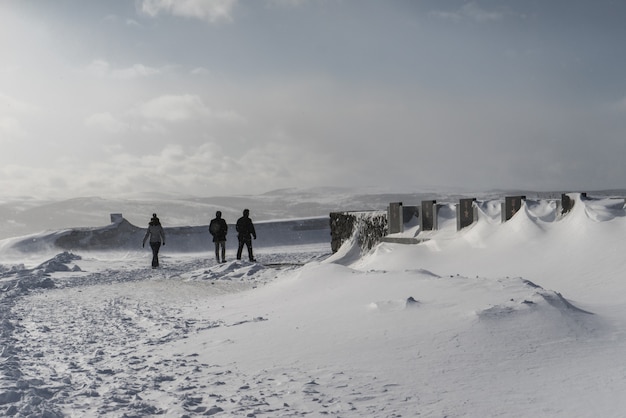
(620, 105)
(10, 128)
(114, 19)
(230, 116)
(106, 122)
(136, 71)
(288, 3)
(471, 11)
(208, 10)
(11, 109)
(475, 12)
(8, 103)
(132, 23)
(101, 68)
(200, 71)
(98, 68)
(182, 108)
(174, 108)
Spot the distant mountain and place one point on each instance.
(24, 216)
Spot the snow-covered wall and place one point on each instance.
(367, 227)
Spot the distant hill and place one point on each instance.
(24, 216)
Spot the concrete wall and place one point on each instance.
(122, 235)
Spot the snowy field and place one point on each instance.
(521, 319)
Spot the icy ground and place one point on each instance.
(82, 340)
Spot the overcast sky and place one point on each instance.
(213, 97)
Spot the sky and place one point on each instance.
(225, 97)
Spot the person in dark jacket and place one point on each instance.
(157, 236)
(245, 231)
(219, 228)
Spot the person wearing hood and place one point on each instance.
(245, 230)
(157, 237)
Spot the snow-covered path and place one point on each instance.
(94, 344)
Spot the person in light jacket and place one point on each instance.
(157, 237)
(219, 228)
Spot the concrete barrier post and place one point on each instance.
(429, 215)
(395, 218)
(511, 205)
(466, 213)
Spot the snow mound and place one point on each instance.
(395, 305)
(348, 253)
(232, 271)
(603, 210)
(555, 300)
(542, 209)
(18, 278)
(60, 263)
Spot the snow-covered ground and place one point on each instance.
(521, 319)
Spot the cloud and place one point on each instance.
(200, 71)
(136, 71)
(132, 23)
(98, 68)
(172, 108)
(475, 12)
(106, 122)
(9, 103)
(155, 117)
(11, 111)
(101, 68)
(288, 3)
(173, 168)
(10, 128)
(183, 108)
(116, 19)
(469, 11)
(620, 105)
(207, 10)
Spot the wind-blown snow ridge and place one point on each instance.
(533, 300)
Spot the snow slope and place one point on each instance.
(521, 319)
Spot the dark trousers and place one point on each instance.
(220, 245)
(155, 253)
(247, 241)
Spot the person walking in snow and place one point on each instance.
(245, 230)
(157, 237)
(219, 228)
